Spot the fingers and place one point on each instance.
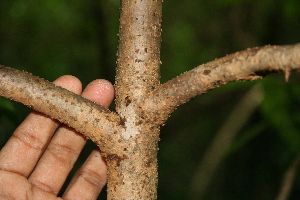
(24, 148)
(66, 145)
(14, 186)
(100, 91)
(89, 179)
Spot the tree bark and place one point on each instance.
(135, 174)
(128, 137)
(247, 65)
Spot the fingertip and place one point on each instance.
(69, 82)
(100, 91)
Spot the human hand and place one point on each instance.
(38, 157)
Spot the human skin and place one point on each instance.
(37, 159)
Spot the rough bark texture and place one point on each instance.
(94, 121)
(137, 75)
(246, 65)
(128, 137)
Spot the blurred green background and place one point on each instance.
(235, 142)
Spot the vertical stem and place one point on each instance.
(133, 169)
(139, 50)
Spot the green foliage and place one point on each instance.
(280, 109)
(51, 38)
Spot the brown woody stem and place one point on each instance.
(241, 66)
(88, 118)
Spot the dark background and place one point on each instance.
(51, 38)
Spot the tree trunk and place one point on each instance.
(134, 175)
(128, 137)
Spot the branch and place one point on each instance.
(246, 65)
(88, 118)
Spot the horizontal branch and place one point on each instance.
(88, 118)
(246, 65)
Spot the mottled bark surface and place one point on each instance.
(137, 75)
(128, 137)
(246, 65)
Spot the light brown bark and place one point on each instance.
(246, 65)
(128, 137)
(137, 75)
